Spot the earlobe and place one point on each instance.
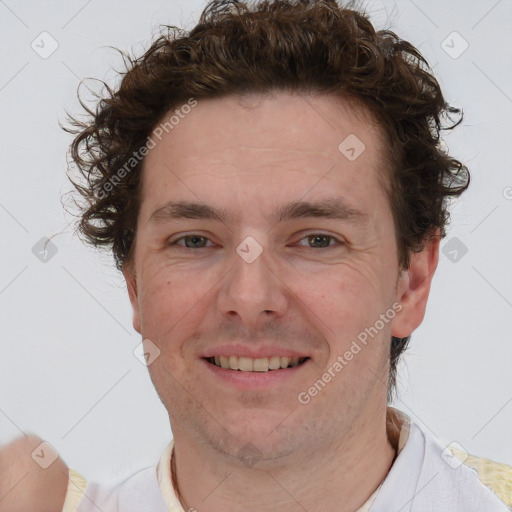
(131, 284)
(413, 288)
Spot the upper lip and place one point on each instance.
(252, 352)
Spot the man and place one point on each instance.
(273, 188)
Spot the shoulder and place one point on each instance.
(495, 475)
(473, 483)
(427, 474)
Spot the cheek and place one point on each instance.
(166, 305)
(341, 302)
(346, 309)
(173, 303)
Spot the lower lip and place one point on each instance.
(254, 380)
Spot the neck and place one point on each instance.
(339, 476)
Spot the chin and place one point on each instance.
(258, 441)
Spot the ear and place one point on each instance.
(413, 288)
(131, 284)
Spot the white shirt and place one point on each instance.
(423, 478)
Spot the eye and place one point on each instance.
(193, 241)
(314, 241)
(320, 240)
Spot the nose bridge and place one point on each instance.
(251, 287)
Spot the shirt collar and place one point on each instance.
(397, 427)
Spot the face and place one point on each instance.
(287, 258)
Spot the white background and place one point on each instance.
(67, 371)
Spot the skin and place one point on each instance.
(25, 485)
(249, 157)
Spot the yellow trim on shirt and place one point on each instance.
(75, 493)
(164, 476)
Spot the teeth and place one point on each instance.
(245, 364)
(274, 363)
(262, 364)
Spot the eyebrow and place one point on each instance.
(330, 208)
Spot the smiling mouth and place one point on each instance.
(262, 364)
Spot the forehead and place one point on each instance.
(277, 145)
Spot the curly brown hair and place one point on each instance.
(304, 46)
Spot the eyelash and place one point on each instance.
(192, 235)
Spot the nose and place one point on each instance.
(252, 291)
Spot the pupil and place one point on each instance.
(193, 240)
(314, 238)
